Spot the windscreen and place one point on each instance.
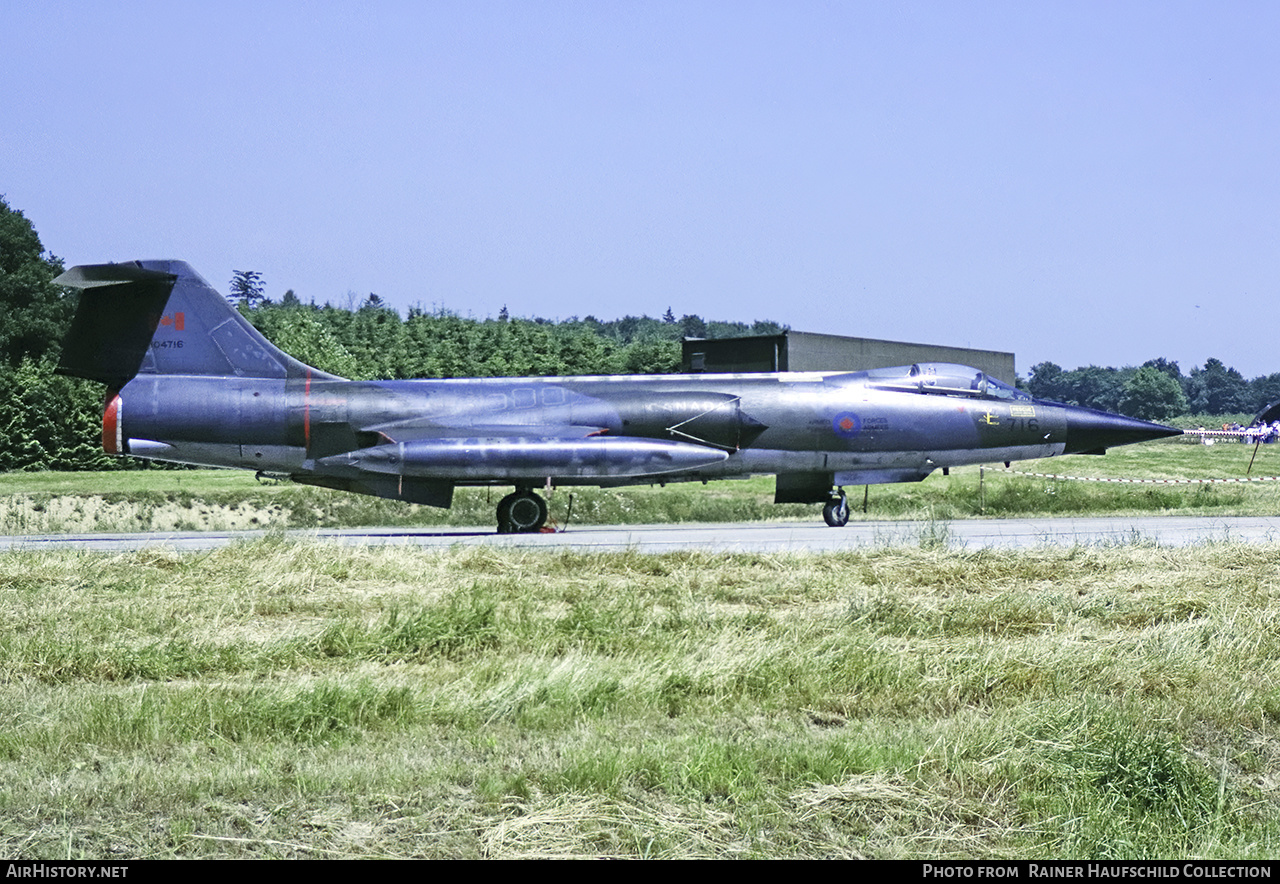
(944, 378)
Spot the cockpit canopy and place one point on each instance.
(945, 379)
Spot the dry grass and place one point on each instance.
(304, 700)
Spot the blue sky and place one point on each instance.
(1080, 182)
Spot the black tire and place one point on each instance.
(835, 512)
(522, 512)
(504, 514)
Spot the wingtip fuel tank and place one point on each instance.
(191, 381)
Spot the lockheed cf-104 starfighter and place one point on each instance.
(191, 381)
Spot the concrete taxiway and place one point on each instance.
(736, 537)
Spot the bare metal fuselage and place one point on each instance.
(839, 424)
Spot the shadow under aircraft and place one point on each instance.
(189, 380)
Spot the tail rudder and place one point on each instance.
(161, 317)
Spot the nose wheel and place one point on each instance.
(835, 512)
(521, 512)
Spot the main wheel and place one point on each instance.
(835, 512)
(521, 512)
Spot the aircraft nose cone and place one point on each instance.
(1095, 431)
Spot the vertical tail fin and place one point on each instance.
(161, 317)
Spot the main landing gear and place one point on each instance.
(835, 512)
(521, 512)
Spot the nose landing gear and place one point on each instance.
(521, 512)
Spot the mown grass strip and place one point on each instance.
(291, 699)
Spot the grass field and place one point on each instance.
(166, 500)
(296, 699)
(287, 699)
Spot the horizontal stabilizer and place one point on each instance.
(89, 276)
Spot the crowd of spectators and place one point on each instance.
(1259, 432)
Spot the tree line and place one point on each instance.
(373, 341)
(53, 422)
(1156, 390)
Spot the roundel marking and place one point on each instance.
(846, 425)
